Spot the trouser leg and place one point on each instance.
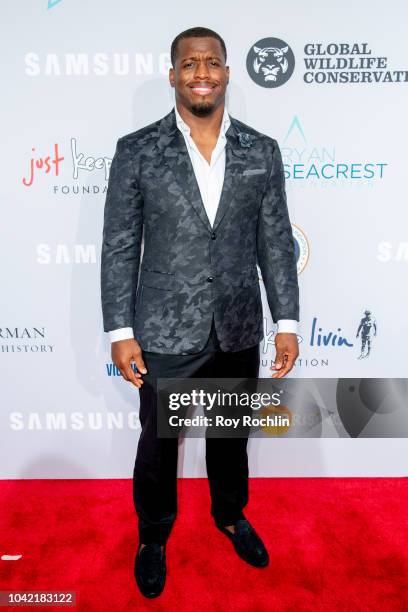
(155, 471)
(227, 469)
(227, 458)
(155, 474)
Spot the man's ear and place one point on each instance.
(228, 72)
(171, 76)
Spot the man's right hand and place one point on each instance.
(123, 353)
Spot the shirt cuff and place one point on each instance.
(287, 326)
(124, 333)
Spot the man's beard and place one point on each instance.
(202, 109)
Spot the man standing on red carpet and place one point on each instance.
(207, 194)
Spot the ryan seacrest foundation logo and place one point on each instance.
(270, 62)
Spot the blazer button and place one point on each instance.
(213, 236)
(210, 279)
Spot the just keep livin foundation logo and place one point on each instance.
(77, 173)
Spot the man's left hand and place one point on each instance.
(287, 351)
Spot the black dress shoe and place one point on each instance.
(247, 543)
(150, 569)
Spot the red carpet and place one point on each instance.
(335, 544)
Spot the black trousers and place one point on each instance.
(155, 471)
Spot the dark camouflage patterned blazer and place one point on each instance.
(189, 269)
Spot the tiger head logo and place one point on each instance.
(270, 62)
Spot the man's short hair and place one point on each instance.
(196, 33)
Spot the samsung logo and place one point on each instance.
(96, 64)
(76, 421)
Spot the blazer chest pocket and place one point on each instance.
(252, 183)
(254, 172)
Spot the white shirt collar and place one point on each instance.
(183, 127)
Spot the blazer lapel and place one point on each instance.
(175, 155)
(172, 146)
(235, 164)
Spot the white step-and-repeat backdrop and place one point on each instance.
(329, 83)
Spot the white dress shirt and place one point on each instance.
(210, 179)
